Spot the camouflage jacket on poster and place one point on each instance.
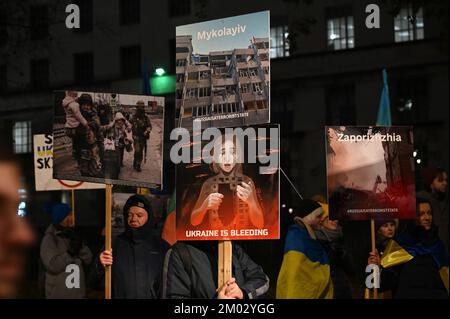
(141, 126)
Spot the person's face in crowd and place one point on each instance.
(15, 234)
(137, 217)
(227, 156)
(425, 217)
(440, 183)
(387, 230)
(314, 219)
(329, 224)
(68, 221)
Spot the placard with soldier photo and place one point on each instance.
(108, 138)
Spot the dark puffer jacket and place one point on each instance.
(201, 282)
(138, 258)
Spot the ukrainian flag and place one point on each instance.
(402, 249)
(305, 271)
(384, 110)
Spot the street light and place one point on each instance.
(160, 71)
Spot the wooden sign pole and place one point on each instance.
(73, 207)
(372, 237)
(224, 262)
(108, 210)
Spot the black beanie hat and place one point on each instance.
(139, 201)
(305, 207)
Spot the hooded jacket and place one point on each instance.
(201, 283)
(55, 257)
(138, 257)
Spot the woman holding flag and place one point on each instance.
(415, 263)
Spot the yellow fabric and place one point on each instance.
(300, 278)
(444, 276)
(325, 209)
(394, 255)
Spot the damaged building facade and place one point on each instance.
(223, 88)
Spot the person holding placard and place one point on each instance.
(415, 263)
(386, 229)
(191, 271)
(137, 254)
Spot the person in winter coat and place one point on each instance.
(330, 235)
(386, 229)
(61, 247)
(415, 263)
(137, 254)
(191, 271)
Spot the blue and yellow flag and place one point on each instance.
(384, 110)
(305, 271)
(403, 248)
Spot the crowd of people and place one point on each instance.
(412, 255)
(100, 134)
